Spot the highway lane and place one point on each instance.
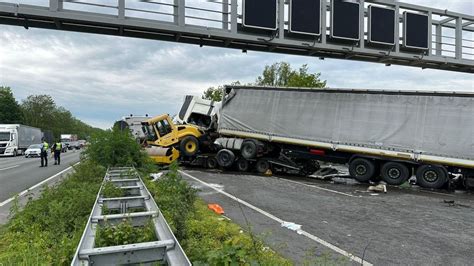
(20, 173)
(401, 227)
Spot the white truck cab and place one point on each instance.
(16, 138)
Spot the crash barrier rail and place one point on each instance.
(165, 250)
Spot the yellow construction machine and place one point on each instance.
(166, 141)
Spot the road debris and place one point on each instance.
(216, 208)
(292, 226)
(378, 188)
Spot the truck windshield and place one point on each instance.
(4, 136)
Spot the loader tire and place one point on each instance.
(189, 146)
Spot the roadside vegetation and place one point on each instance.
(47, 230)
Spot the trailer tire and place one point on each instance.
(248, 150)
(189, 145)
(243, 165)
(362, 169)
(225, 158)
(262, 166)
(430, 176)
(395, 173)
(211, 163)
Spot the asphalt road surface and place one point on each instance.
(20, 173)
(403, 226)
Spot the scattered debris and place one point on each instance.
(268, 172)
(216, 208)
(452, 203)
(326, 173)
(156, 176)
(374, 194)
(378, 188)
(292, 226)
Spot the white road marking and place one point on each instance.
(321, 188)
(14, 166)
(35, 186)
(280, 221)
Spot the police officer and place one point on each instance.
(44, 154)
(57, 148)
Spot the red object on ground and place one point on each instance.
(216, 208)
(317, 152)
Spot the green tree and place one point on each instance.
(38, 111)
(10, 111)
(213, 94)
(282, 75)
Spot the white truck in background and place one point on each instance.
(16, 138)
(134, 124)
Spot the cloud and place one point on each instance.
(102, 78)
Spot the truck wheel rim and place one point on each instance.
(394, 173)
(361, 169)
(430, 176)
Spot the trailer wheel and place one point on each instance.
(362, 169)
(225, 158)
(248, 149)
(243, 165)
(395, 173)
(262, 166)
(189, 146)
(430, 176)
(211, 162)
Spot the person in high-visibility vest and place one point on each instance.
(44, 154)
(57, 148)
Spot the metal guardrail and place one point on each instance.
(220, 23)
(165, 250)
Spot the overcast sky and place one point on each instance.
(102, 78)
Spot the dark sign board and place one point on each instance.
(415, 30)
(345, 20)
(260, 14)
(305, 17)
(381, 25)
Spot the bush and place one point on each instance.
(116, 148)
(48, 230)
(124, 233)
(205, 237)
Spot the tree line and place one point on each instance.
(276, 75)
(42, 112)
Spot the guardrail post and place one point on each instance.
(233, 16)
(121, 9)
(55, 5)
(458, 36)
(180, 12)
(439, 45)
(361, 24)
(281, 19)
(324, 10)
(225, 14)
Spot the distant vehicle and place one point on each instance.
(82, 143)
(68, 140)
(134, 124)
(16, 138)
(33, 150)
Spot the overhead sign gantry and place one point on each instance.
(381, 31)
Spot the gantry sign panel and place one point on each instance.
(383, 31)
(261, 14)
(381, 25)
(305, 17)
(345, 21)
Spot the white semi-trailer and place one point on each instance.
(16, 138)
(387, 134)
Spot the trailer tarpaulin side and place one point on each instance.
(438, 124)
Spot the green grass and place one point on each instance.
(48, 229)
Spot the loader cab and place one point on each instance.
(161, 131)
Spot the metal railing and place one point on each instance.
(165, 249)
